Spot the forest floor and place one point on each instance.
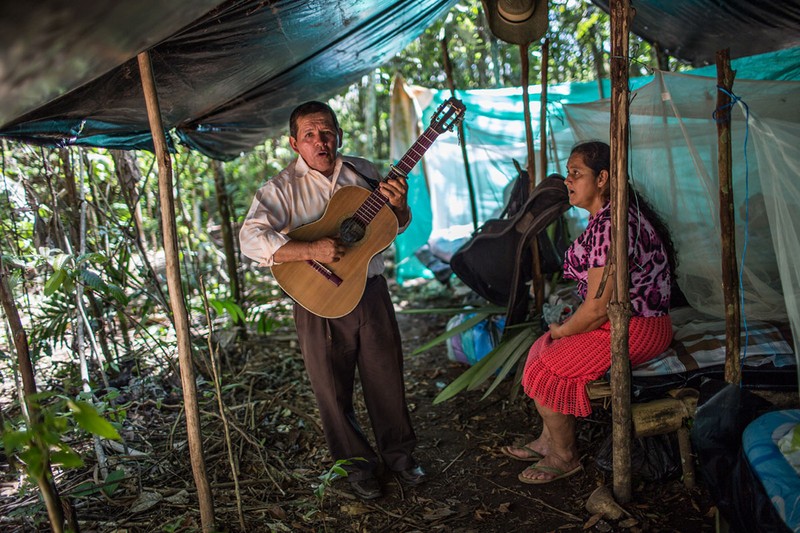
(276, 442)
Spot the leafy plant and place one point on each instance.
(479, 313)
(516, 342)
(335, 472)
(42, 441)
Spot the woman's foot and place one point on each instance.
(550, 468)
(534, 451)
(521, 453)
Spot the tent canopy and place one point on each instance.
(228, 73)
(227, 79)
(694, 30)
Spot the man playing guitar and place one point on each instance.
(367, 337)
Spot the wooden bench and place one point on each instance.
(658, 417)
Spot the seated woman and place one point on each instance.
(577, 351)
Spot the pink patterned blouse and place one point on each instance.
(647, 260)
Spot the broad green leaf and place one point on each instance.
(217, 305)
(488, 309)
(88, 418)
(512, 361)
(15, 440)
(93, 280)
(236, 312)
(497, 357)
(60, 259)
(66, 457)
(112, 481)
(118, 294)
(55, 281)
(464, 326)
(84, 490)
(34, 461)
(91, 257)
(460, 383)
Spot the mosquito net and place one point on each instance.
(672, 160)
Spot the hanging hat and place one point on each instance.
(516, 21)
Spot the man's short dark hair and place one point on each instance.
(309, 108)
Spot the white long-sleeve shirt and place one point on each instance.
(295, 197)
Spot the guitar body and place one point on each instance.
(365, 223)
(316, 292)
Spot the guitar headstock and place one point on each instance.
(448, 115)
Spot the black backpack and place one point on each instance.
(497, 261)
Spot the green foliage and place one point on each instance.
(228, 306)
(480, 314)
(516, 342)
(43, 440)
(109, 486)
(335, 472)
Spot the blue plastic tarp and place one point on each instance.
(226, 80)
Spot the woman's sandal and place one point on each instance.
(559, 474)
(531, 455)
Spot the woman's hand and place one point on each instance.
(591, 314)
(555, 330)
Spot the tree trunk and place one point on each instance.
(45, 481)
(180, 313)
(599, 61)
(129, 176)
(226, 226)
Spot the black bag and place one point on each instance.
(497, 261)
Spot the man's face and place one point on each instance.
(317, 141)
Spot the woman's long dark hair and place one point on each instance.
(597, 156)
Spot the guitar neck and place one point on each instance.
(375, 201)
(413, 155)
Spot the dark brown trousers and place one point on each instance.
(368, 338)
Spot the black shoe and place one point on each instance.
(366, 489)
(412, 476)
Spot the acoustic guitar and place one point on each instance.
(365, 223)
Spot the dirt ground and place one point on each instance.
(273, 437)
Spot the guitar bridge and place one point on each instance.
(326, 272)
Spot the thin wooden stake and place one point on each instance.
(213, 353)
(538, 280)
(543, 113)
(180, 315)
(730, 272)
(448, 69)
(619, 309)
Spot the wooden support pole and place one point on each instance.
(730, 272)
(543, 113)
(538, 280)
(180, 315)
(45, 481)
(619, 310)
(448, 69)
(526, 112)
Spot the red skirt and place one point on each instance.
(557, 371)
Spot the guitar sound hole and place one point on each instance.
(351, 231)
